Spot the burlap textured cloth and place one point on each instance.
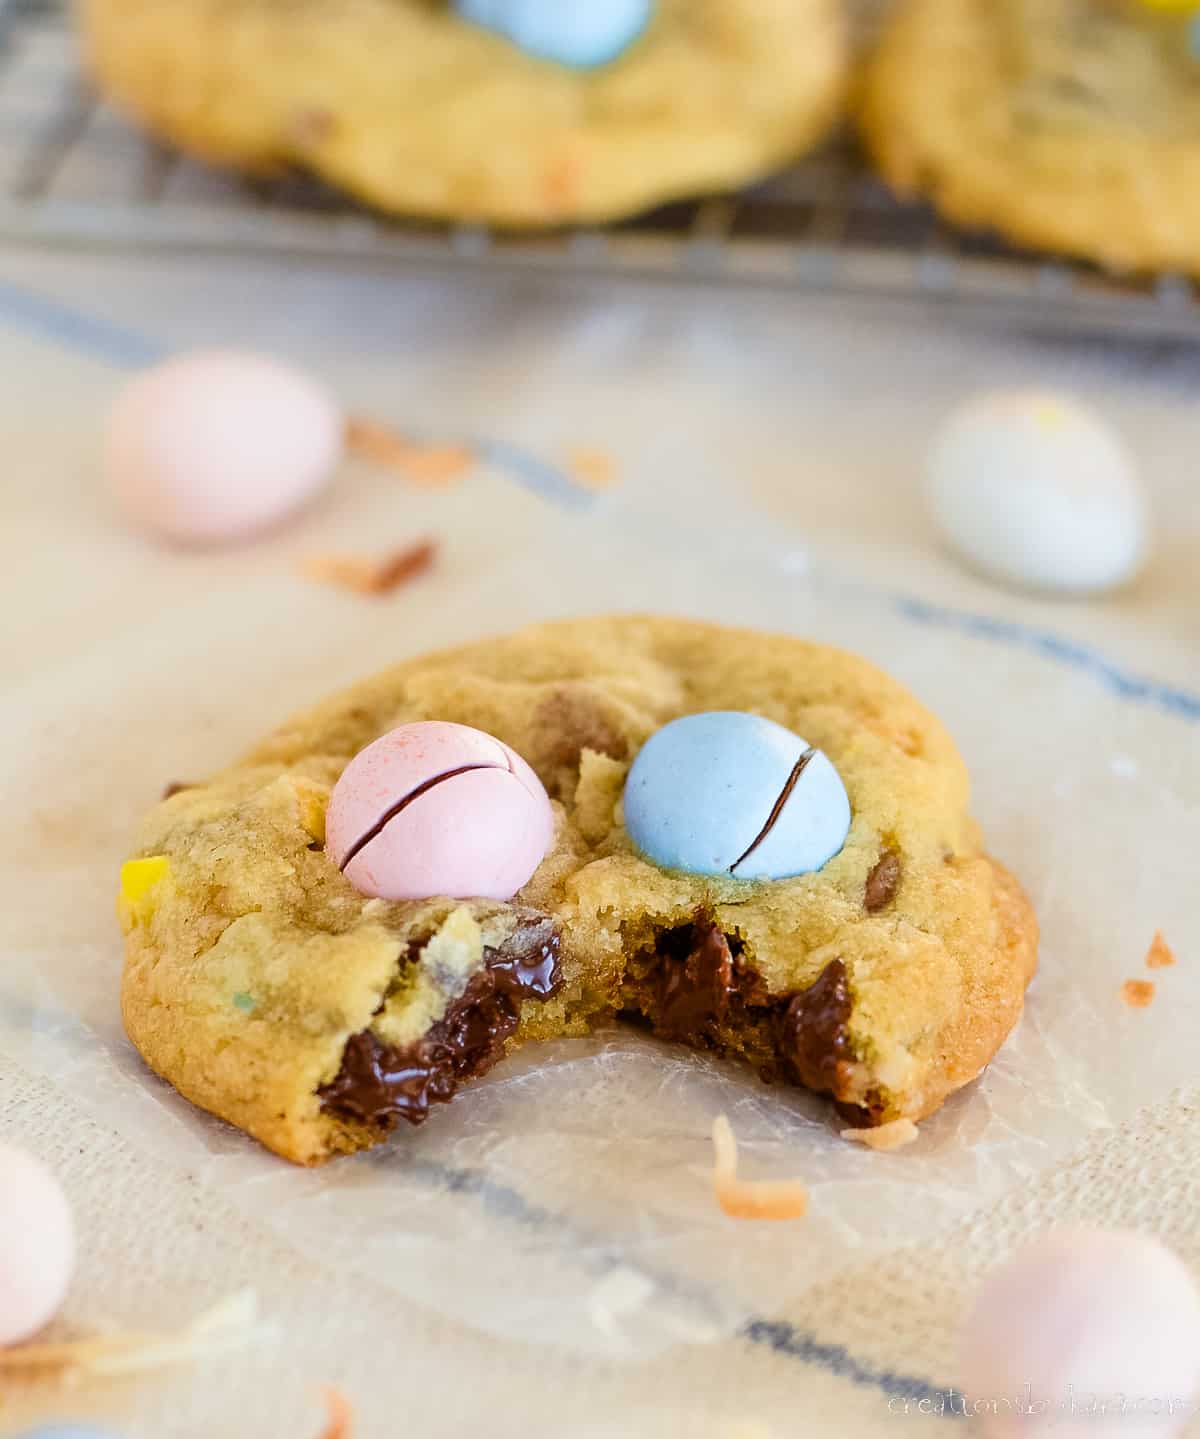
(708, 405)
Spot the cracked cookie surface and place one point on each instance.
(269, 991)
(1067, 125)
(419, 112)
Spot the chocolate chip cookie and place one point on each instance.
(1068, 125)
(420, 112)
(268, 990)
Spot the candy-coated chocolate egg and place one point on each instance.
(37, 1245)
(1034, 490)
(581, 33)
(732, 793)
(216, 445)
(435, 808)
(1077, 1320)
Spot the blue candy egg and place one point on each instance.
(581, 33)
(732, 793)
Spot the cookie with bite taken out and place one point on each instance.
(759, 846)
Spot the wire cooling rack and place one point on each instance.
(73, 173)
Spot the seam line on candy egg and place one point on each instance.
(390, 814)
(777, 808)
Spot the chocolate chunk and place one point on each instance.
(815, 1034)
(174, 788)
(882, 882)
(697, 985)
(696, 981)
(526, 964)
(379, 1083)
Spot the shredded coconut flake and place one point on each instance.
(1137, 993)
(232, 1324)
(893, 1135)
(742, 1199)
(1160, 955)
(340, 1414)
(433, 466)
(593, 469)
(372, 577)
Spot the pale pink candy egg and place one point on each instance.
(438, 808)
(37, 1245)
(1074, 1321)
(216, 445)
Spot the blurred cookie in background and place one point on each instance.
(518, 113)
(1066, 125)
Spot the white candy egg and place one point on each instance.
(1076, 1327)
(216, 445)
(37, 1245)
(1034, 490)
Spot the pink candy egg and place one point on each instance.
(1073, 1323)
(435, 808)
(37, 1245)
(214, 446)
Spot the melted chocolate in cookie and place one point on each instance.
(698, 987)
(814, 1030)
(379, 1083)
(695, 982)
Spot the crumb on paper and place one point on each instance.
(434, 466)
(232, 1324)
(176, 787)
(372, 577)
(1160, 955)
(593, 469)
(1137, 993)
(340, 1414)
(744, 1199)
(893, 1135)
(438, 465)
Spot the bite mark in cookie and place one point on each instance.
(698, 986)
(379, 1083)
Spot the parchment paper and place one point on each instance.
(567, 1196)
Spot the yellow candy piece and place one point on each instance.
(139, 879)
